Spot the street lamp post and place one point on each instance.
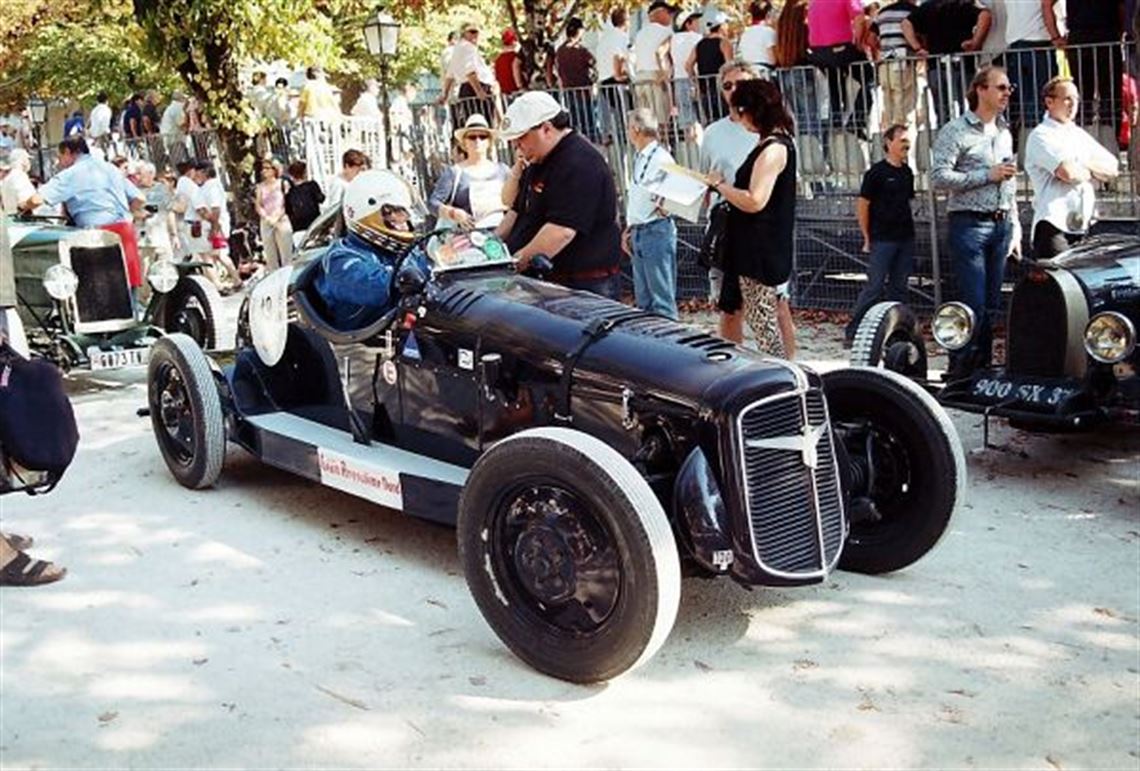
(382, 35)
(37, 111)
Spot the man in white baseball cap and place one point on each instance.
(566, 204)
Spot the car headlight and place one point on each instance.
(162, 276)
(1110, 337)
(953, 325)
(60, 281)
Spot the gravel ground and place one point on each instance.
(270, 623)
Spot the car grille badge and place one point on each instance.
(806, 443)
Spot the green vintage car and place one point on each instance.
(74, 300)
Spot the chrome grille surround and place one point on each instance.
(779, 438)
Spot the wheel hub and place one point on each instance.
(545, 564)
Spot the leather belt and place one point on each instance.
(1000, 215)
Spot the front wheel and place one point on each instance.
(906, 474)
(193, 308)
(186, 411)
(568, 554)
(889, 336)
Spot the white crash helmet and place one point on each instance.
(382, 209)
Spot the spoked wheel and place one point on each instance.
(905, 474)
(193, 309)
(568, 554)
(185, 411)
(889, 336)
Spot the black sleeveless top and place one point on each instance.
(709, 56)
(759, 246)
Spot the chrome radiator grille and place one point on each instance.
(794, 503)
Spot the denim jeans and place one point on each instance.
(1028, 71)
(654, 246)
(580, 104)
(978, 248)
(889, 266)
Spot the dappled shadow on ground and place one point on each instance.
(273, 623)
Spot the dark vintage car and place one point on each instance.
(74, 298)
(588, 452)
(1071, 359)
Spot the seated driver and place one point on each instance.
(357, 271)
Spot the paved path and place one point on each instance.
(270, 623)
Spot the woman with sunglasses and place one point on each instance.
(470, 192)
(759, 235)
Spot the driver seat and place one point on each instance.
(313, 313)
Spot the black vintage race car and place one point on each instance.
(587, 451)
(74, 299)
(1071, 359)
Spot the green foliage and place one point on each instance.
(423, 35)
(74, 60)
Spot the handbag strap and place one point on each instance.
(458, 172)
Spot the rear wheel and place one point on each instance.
(889, 336)
(568, 554)
(193, 308)
(906, 473)
(186, 411)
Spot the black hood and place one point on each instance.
(516, 314)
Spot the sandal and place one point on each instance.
(18, 542)
(25, 571)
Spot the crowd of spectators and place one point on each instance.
(867, 69)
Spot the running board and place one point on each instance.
(380, 473)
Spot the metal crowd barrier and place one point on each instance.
(839, 113)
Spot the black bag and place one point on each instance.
(712, 247)
(37, 424)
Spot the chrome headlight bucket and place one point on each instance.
(162, 275)
(1110, 337)
(60, 281)
(953, 325)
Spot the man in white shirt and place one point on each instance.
(758, 40)
(352, 163)
(652, 67)
(680, 46)
(99, 130)
(613, 67)
(367, 104)
(214, 211)
(1031, 33)
(185, 208)
(1061, 160)
(171, 127)
(16, 189)
(650, 236)
(476, 80)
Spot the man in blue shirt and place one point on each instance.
(96, 195)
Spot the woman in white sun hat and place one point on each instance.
(469, 193)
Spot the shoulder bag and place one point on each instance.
(712, 246)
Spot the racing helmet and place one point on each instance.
(383, 210)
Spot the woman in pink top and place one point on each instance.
(276, 232)
(833, 28)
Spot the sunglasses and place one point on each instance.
(1004, 88)
(477, 137)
